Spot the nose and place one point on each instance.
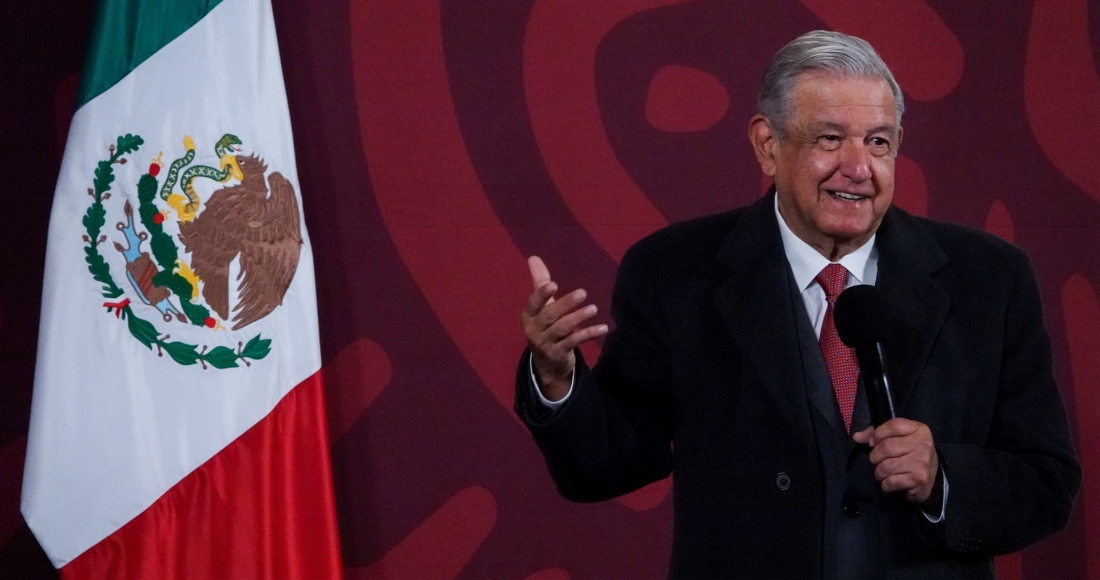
(855, 161)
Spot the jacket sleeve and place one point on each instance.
(613, 433)
(1019, 486)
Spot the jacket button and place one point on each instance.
(782, 481)
(850, 509)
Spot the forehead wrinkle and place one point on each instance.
(832, 125)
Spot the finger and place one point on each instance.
(915, 489)
(538, 299)
(892, 447)
(558, 354)
(890, 467)
(556, 309)
(913, 452)
(568, 323)
(918, 446)
(900, 482)
(540, 274)
(896, 427)
(583, 335)
(920, 469)
(562, 336)
(863, 437)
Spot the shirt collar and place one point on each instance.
(806, 263)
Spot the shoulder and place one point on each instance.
(962, 245)
(977, 269)
(703, 232)
(965, 240)
(748, 230)
(687, 246)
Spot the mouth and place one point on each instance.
(845, 196)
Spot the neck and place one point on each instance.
(833, 250)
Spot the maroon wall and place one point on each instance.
(439, 143)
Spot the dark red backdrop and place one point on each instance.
(440, 142)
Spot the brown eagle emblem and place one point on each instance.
(257, 224)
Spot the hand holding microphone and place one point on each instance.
(903, 452)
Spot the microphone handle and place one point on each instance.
(872, 365)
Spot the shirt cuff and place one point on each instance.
(552, 405)
(943, 505)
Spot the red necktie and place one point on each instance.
(840, 359)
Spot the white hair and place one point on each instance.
(824, 51)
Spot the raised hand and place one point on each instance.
(553, 330)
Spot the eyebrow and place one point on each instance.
(829, 125)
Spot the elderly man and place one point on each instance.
(724, 367)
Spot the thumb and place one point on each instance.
(864, 437)
(540, 275)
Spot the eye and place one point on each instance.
(879, 146)
(829, 142)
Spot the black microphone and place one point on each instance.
(861, 316)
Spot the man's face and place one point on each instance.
(834, 171)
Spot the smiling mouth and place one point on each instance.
(845, 196)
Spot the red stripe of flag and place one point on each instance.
(261, 508)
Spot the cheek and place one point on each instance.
(819, 166)
(883, 169)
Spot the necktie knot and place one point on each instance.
(832, 278)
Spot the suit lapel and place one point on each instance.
(908, 256)
(757, 310)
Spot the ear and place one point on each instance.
(765, 143)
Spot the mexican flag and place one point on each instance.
(177, 426)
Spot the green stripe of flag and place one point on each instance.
(127, 32)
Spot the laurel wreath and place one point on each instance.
(166, 254)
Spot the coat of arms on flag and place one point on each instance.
(250, 225)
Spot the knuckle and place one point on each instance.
(886, 469)
(547, 318)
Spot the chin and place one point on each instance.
(847, 231)
(846, 228)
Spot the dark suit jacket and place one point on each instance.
(700, 378)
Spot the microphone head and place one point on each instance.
(861, 316)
